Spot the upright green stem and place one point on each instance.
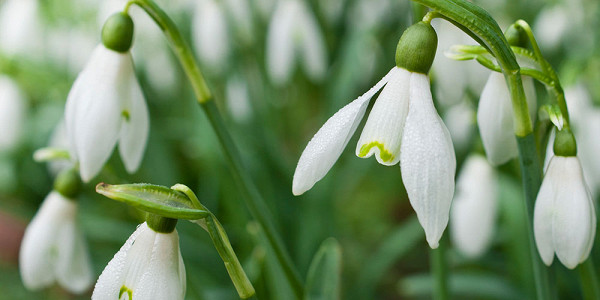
(589, 280)
(439, 268)
(253, 199)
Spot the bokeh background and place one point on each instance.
(362, 204)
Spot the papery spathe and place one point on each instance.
(564, 219)
(53, 248)
(106, 105)
(148, 266)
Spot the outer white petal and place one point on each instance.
(134, 131)
(427, 161)
(163, 278)
(311, 43)
(73, 266)
(20, 28)
(494, 117)
(94, 108)
(542, 220)
(38, 254)
(112, 278)
(382, 134)
(325, 147)
(280, 43)
(210, 34)
(473, 214)
(138, 259)
(12, 113)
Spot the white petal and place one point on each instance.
(473, 213)
(95, 106)
(542, 220)
(382, 134)
(12, 113)
(38, 254)
(427, 161)
(73, 267)
(280, 43)
(325, 147)
(134, 130)
(163, 277)
(312, 46)
(494, 117)
(138, 258)
(112, 278)
(210, 34)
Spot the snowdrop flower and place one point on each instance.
(53, 248)
(210, 34)
(294, 34)
(403, 126)
(106, 104)
(20, 28)
(12, 113)
(149, 266)
(495, 118)
(473, 213)
(564, 219)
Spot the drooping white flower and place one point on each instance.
(53, 248)
(564, 219)
(238, 100)
(211, 34)
(495, 118)
(460, 119)
(12, 113)
(106, 105)
(294, 35)
(404, 127)
(474, 207)
(148, 266)
(20, 28)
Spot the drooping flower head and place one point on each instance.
(106, 104)
(564, 219)
(403, 126)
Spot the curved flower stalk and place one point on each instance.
(473, 214)
(20, 28)
(211, 34)
(495, 118)
(294, 35)
(12, 113)
(148, 266)
(403, 126)
(53, 248)
(106, 105)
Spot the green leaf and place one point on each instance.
(155, 199)
(323, 281)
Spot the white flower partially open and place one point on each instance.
(53, 248)
(495, 118)
(474, 207)
(106, 105)
(149, 266)
(564, 220)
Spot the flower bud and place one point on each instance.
(68, 183)
(416, 48)
(564, 143)
(516, 36)
(117, 32)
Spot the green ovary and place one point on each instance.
(384, 154)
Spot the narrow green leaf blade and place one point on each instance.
(323, 282)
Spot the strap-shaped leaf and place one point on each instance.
(154, 199)
(323, 282)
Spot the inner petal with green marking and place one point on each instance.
(384, 154)
(124, 290)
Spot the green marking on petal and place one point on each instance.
(384, 154)
(125, 289)
(125, 114)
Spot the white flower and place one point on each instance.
(20, 28)
(210, 34)
(564, 219)
(294, 33)
(495, 118)
(53, 248)
(12, 113)
(474, 207)
(149, 266)
(106, 105)
(404, 127)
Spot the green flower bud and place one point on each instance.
(117, 32)
(416, 48)
(516, 36)
(564, 143)
(68, 183)
(160, 224)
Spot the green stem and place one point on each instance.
(253, 199)
(589, 280)
(439, 268)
